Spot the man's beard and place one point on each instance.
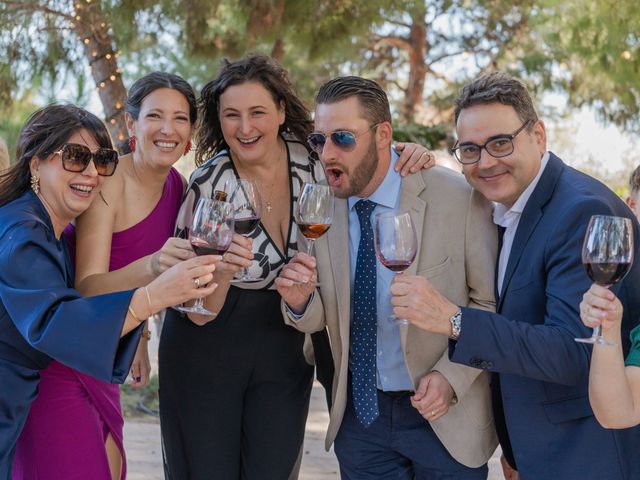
(363, 173)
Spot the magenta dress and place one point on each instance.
(69, 421)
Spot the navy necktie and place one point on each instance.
(364, 322)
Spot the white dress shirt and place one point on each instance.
(510, 218)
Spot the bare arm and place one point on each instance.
(614, 390)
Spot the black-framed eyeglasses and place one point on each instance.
(497, 146)
(342, 139)
(76, 158)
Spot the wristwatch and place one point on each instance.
(456, 325)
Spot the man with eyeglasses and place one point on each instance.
(401, 409)
(540, 383)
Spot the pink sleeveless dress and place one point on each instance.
(69, 421)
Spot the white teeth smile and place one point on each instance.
(247, 141)
(166, 144)
(82, 188)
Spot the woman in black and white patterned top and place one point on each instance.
(234, 392)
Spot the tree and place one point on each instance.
(52, 39)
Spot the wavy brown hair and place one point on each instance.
(44, 132)
(251, 68)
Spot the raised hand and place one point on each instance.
(172, 252)
(600, 306)
(413, 157)
(297, 281)
(183, 282)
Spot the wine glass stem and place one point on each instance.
(597, 332)
(310, 245)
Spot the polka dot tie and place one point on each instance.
(363, 325)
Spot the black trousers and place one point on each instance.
(234, 394)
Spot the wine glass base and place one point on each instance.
(195, 309)
(596, 341)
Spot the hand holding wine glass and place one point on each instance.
(245, 198)
(607, 254)
(314, 212)
(210, 234)
(395, 242)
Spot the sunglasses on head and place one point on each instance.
(76, 158)
(342, 139)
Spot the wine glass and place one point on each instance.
(395, 241)
(210, 234)
(607, 255)
(245, 198)
(314, 212)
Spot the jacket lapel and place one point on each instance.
(531, 215)
(412, 187)
(338, 239)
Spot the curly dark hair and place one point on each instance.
(251, 68)
(46, 130)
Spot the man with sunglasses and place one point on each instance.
(400, 408)
(540, 386)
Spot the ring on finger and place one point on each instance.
(196, 282)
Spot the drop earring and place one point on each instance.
(187, 147)
(35, 184)
(132, 143)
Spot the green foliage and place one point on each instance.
(434, 138)
(139, 401)
(12, 119)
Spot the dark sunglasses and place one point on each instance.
(76, 158)
(342, 139)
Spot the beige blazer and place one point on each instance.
(457, 253)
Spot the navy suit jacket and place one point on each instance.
(529, 342)
(42, 317)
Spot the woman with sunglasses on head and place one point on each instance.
(234, 388)
(123, 241)
(63, 156)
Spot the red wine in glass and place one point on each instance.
(245, 198)
(211, 233)
(396, 266)
(607, 256)
(203, 248)
(245, 226)
(395, 241)
(607, 273)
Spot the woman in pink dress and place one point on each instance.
(74, 429)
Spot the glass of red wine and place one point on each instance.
(245, 198)
(607, 255)
(395, 241)
(211, 233)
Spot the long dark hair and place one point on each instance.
(44, 132)
(151, 82)
(251, 68)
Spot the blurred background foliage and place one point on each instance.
(586, 51)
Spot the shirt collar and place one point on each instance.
(388, 191)
(502, 215)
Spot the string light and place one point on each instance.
(95, 48)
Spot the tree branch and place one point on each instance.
(21, 7)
